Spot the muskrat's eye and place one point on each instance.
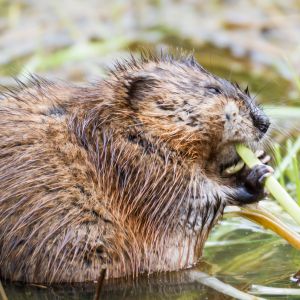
(213, 90)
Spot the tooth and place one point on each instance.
(235, 168)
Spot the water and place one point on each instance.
(238, 253)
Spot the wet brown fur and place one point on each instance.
(124, 172)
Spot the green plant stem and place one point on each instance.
(272, 184)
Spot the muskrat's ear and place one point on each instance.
(139, 87)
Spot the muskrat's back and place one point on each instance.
(125, 174)
(52, 212)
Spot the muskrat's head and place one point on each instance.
(195, 112)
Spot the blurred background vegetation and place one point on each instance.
(76, 39)
(253, 42)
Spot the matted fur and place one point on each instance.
(124, 173)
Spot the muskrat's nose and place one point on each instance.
(264, 127)
(263, 124)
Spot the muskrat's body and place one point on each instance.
(125, 173)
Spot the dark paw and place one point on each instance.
(256, 178)
(251, 188)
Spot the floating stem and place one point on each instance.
(216, 284)
(262, 217)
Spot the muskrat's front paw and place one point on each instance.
(256, 178)
(251, 188)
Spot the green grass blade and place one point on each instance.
(288, 159)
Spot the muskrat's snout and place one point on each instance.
(261, 122)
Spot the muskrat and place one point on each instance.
(126, 173)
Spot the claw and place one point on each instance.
(266, 159)
(262, 179)
(262, 156)
(259, 153)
